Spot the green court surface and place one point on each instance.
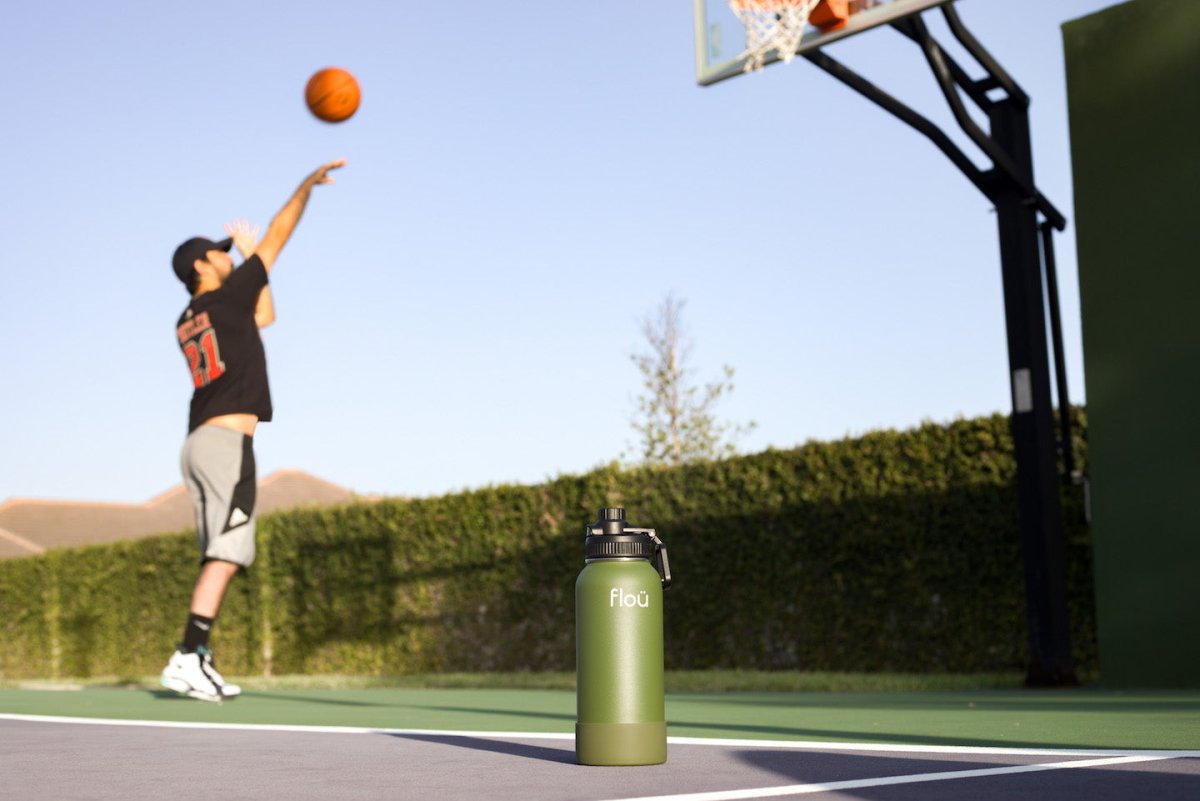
(1079, 718)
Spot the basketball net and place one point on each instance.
(772, 25)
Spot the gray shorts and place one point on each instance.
(218, 470)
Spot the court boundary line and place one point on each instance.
(914, 778)
(804, 745)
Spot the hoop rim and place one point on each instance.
(716, 69)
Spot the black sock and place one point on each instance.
(195, 633)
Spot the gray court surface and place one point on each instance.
(72, 759)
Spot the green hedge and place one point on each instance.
(894, 551)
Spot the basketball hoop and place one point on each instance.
(772, 25)
(779, 24)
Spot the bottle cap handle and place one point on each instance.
(661, 562)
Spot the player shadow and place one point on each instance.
(303, 699)
(565, 756)
(171, 695)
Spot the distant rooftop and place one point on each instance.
(30, 526)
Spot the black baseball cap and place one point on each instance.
(186, 254)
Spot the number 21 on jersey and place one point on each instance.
(200, 347)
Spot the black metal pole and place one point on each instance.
(1066, 444)
(1050, 659)
(1009, 185)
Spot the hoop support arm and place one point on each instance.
(996, 73)
(904, 113)
(976, 90)
(942, 72)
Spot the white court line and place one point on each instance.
(855, 784)
(177, 724)
(805, 745)
(915, 748)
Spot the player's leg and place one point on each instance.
(214, 579)
(191, 669)
(218, 468)
(210, 588)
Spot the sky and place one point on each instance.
(525, 184)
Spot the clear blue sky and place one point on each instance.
(525, 182)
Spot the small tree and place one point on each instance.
(675, 419)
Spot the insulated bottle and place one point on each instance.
(620, 715)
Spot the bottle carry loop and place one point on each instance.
(661, 564)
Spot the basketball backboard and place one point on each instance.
(721, 50)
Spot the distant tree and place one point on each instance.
(675, 419)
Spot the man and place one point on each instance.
(218, 333)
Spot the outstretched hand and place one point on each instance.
(321, 174)
(244, 239)
(280, 229)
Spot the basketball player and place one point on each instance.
(218, 333)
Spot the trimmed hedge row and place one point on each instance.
(893, 551)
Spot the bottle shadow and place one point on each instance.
(563, 756)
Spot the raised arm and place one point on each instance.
(280, 229)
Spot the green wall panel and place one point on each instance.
(1133, 75)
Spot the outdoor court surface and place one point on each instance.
(518, 744)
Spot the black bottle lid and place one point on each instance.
(606, 538)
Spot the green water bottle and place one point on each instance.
(620, 716)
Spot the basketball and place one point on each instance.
(332, 94)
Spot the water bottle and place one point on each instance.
(620, 706)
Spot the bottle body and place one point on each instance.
(621, 717)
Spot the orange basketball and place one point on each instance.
(332, 94)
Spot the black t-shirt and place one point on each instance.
(219, 339)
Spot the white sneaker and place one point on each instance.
(185, 675)
(194, 675)
(206, 664)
